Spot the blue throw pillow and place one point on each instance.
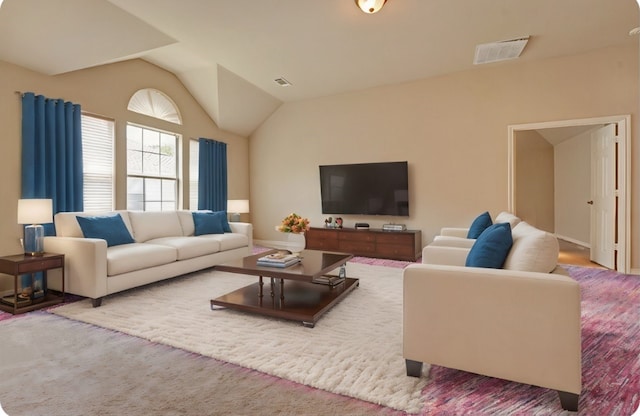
(478, 225)
(207, 222)
(110, 228)
(492, 247)
(223, 219)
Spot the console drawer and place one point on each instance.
(392, 238)
(357, 247)
(393, 251)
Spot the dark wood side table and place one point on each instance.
(20, 264)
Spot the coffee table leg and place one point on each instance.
(272, 283)
(343, 270)
(260, 284)
(282, 289)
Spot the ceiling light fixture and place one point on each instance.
(372, 6)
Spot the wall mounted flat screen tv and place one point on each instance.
(365, 189)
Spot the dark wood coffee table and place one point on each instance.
(296, 299)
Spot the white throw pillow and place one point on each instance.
(505, 216)
(533, 250)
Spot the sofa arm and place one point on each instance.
(437, 253)
(85, 264)
(514, 325)
(454, 232)
(243, 228)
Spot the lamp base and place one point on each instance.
(34, 240)
(234, 217)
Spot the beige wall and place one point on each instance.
(451, 129)
(573, 188)
(105, 91)
(534, 180)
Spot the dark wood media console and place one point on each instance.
(397, 245)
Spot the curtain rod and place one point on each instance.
(21, 94)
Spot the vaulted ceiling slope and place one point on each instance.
(229, 52)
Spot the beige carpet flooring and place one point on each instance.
(354, 350)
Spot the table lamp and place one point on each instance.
(237, 207)
(34, 212)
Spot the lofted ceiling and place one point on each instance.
(229, 52)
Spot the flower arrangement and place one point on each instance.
(294, 223)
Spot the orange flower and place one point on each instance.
(294, 223)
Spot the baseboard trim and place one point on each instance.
(277, 244)
(574, 241)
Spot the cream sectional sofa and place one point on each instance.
(165, 246)
(519, 323)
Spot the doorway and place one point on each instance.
(539, 202)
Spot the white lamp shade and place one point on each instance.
(35, 211)
(240, 206)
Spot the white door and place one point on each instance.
(603, 196)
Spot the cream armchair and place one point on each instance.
(513, 324)
(457, 237)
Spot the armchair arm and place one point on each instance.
(445, 240)
(437, 253)
(85, 264)
(514, 325)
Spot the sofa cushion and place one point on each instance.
(186, 222)
(148, 225)
(491, 248)
(478, 225)
(137, 256)
(533, 250)
(228, 241)
(110, 228)
(188, 247)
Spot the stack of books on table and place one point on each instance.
(279, 259)
(328, 280)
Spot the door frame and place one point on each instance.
(624, 175)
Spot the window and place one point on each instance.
(154, 103)
(97, 162)
(152, 169)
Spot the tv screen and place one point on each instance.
(365, 189)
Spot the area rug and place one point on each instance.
(610, 328)
(354, 350)
(53, 366)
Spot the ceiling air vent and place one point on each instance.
(282, 82)
(499, 51)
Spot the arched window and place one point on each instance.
(154, 103)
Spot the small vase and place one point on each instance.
(296, 242)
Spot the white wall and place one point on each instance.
(453, 131)
(573, 189)
(534, 190)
